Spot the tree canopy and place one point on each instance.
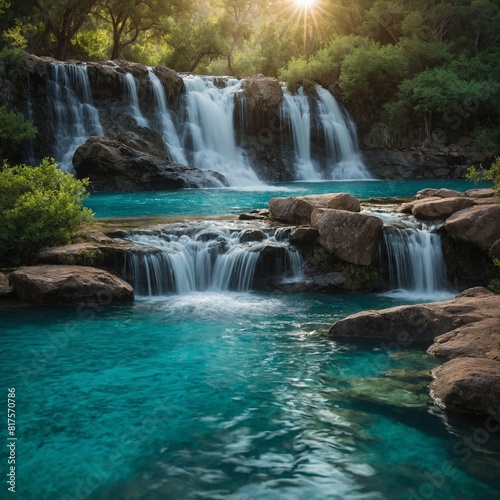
(424, 64)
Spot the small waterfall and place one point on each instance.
(75, 118)
(130, 86)
(209, 257)
(211, 129)
(344, 159)
(297, 112)
(415, 259)
(167, 127)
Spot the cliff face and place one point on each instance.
(69, 102)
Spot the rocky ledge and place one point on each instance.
(464, 330)
(69, 285)
(114, 166)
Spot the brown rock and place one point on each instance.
(468, 385)
(350, 236)
(69, 285)
(441, 208)
(262, 93)
(478, 224)
(298, 209)
(303, 235)
(422, 322)
(480, 193)
(494, 251)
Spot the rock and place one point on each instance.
(5, 288)
(494, 251)
(480, 193)
(468, 385)
(352, 237)
(113, 166)
(420, 322)
(69, 285)
(254, 215)
(298, 209)
(438, 193)
(301, 236)
(439, 208)
(251, 235)
(262, 93)
(478, 224)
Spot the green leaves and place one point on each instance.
(39, 206)
(14, 129)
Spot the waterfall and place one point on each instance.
(296, 110)
(75, 118)
(415, 259)
(344, 159)
(167, 127)
(207, 257)
(211, 129)
(130, 86)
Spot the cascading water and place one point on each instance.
(296, 110)
(130, 86)
(167, 127)
(75, 118)
(211, 129)
(415, 257)
(344, 159)
(207, 257)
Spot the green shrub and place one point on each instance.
(481, 174)
(39, 206)
(14, 129)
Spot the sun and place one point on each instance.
(306, 4)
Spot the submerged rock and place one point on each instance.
(69, 285)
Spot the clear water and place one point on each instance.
(210, 202)
(234, 396)
(230, 395)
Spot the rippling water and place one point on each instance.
(237, 396)
(230, 396)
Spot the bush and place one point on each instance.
(39, 206)
(481, 174)
(14, 129)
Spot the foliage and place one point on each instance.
(14, 130)
(476, 175)
(39, 206)
(420, 67)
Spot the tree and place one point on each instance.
(39, 206)
(63, 19)
(129, 19)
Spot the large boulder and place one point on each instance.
(298, 209)
(69, 285)
(421, 322)
(427, 209)
(468, 385)
(113, 166)
(352, 237)
(479, 225)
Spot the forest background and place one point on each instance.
(423, 71)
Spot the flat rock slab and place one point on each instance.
(69, 285)
(469, 385)
(427, 322)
